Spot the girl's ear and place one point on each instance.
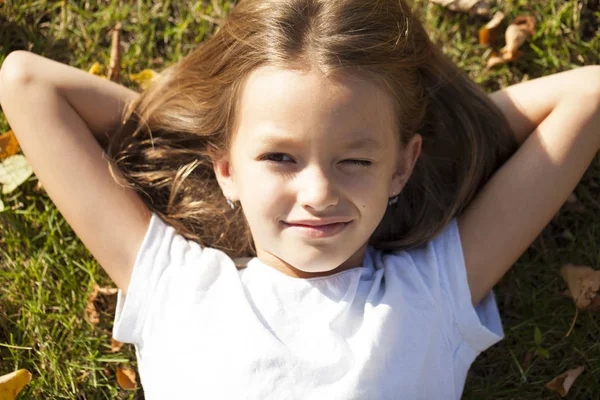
(406, 163)
(224, 173)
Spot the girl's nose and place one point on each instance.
(316, 190)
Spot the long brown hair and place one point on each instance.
(162, 145)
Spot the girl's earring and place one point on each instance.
(230, 203)
(393, 200)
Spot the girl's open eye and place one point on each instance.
(274, 157)
(277, 158)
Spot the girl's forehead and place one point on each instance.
(282, 104)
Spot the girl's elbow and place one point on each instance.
(15, 71)
(592, 79)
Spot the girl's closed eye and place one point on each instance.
(276, 158)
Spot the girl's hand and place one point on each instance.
(528, 190)
(110, 219)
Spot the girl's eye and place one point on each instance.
(364, 163)
(274, 157)
(277, 158)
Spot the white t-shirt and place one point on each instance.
(400, 326)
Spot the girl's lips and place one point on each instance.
(319, 231)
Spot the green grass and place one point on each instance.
(46, 274)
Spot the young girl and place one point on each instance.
(378, 193)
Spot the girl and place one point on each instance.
(378, 193)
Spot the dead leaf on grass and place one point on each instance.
(583, 283)
(563, 382)
(144, 78)
(11, 384)
(14, 171)
(516, 33)
(126, 378)
(9, 146)
(594, 304)
(491, 30)
(94, 301)
(115, 345)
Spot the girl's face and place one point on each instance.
(311, 150)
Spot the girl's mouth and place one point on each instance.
(318, 231)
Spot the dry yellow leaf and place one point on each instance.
(13, 172)
(562, 383)
(11, 384)
(126, 378)
(91, 313)
(9, 146)
(144, 78)
(115, 345)
(516, 33)
(95, 68)
(583, 283)
(488, 33)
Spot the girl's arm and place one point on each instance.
(99, 102)
(521, 198)
(528, 103)
(110, 219)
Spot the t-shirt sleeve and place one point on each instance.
(131, 309)
(479, 327)
(169, 272)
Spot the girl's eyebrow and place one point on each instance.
(364, 142)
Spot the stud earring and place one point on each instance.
(231, 204)
(393, 200)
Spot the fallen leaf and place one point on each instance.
(488, 33)
(114, 66)
(13, 172)
(594, 304)
(473, 7)
(9, 146)
(91, 315)
(495, 59)
(516, 33)
(144, 78)
(91, 311)
(563, 382)
(11, 384)
(126, 378)
(95, 68)
(115, 345)
(583, 283)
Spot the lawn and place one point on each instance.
(47, 275)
